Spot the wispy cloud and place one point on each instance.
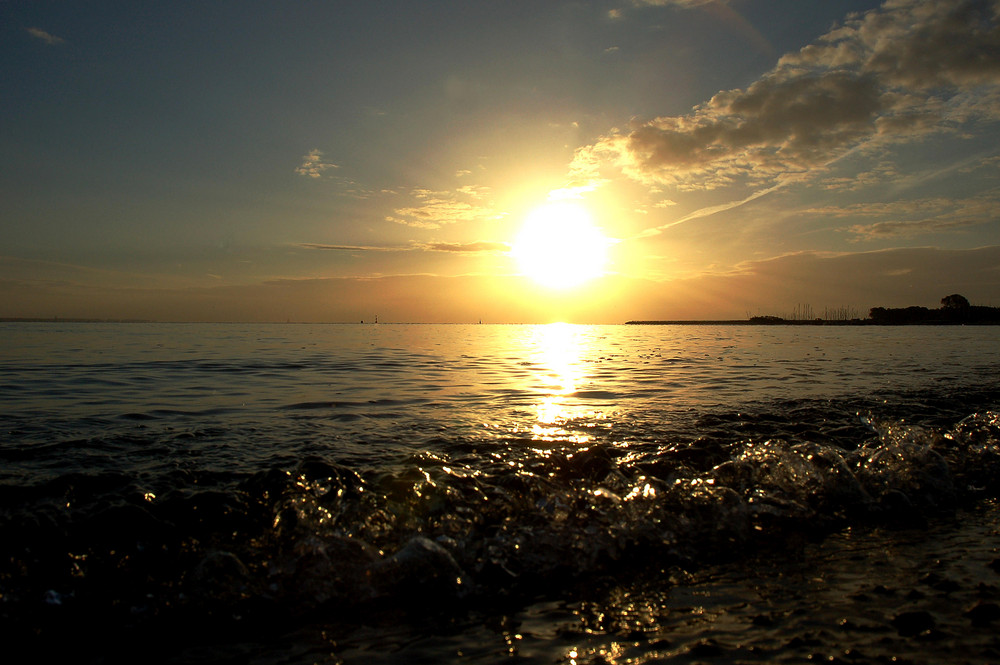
(46, 37)
(354, 248)
(909, 228)
(679, 3)
(885, 77)
(896, 209)
(574, 190)
(477, 247)
(434, 209)
(884, 172)
(913, 217)
(313, 165)
(710, 210)
(467, 247)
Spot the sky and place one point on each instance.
(338, 161)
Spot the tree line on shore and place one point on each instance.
(954, 309)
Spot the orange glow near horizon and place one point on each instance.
(560, 247)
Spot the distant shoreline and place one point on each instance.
(955, 310)
(56, 319)
(817, 322)
(744, 322)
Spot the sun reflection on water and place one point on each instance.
(559, 345)
(561, 350)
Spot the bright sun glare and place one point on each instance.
(560, 247)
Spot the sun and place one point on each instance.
(560, 247)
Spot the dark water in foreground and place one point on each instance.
(587, 494)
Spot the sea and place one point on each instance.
(411, 493)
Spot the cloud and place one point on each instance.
(923, 45)
(574, 190)
(678, 3)
(482, 246)
(882, 209)
(887, 76)
(708, 211)
(779, 125)
(313, 165)
(49, 39)
(434, 209)
(903, 229)
(467, 247)
(479, 192)
(883, 172)
(352, 248)
(906, 218)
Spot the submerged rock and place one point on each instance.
(421, 570)
(329, 569)
(913, 623)
(983, 614)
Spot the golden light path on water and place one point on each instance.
(561, 351)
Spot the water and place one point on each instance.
(431, 493)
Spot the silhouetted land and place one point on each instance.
(56, 319)
(754, 321)
(972, 315)
(954, 310)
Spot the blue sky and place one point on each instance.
(328, 161)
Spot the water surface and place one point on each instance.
(244, 483)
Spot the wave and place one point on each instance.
(479, 521)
